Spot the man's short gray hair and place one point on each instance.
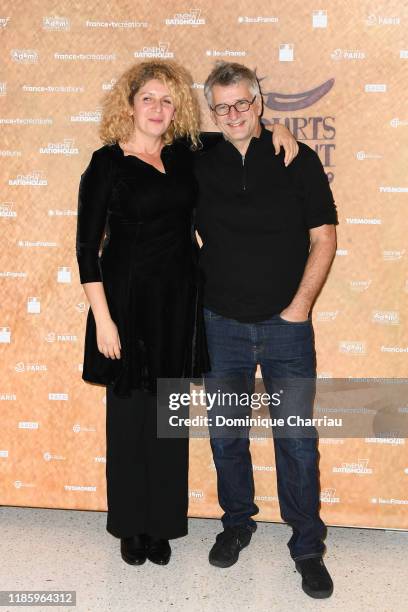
(230, 73)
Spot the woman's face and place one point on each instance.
(153, 109)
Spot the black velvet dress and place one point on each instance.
(148, 266)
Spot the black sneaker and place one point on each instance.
(316, 581)
(228, 545)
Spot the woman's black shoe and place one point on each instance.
(158, 551)
(133, 549)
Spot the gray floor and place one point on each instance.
(71, 550)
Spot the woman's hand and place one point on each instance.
(107, 338)
(282, 137)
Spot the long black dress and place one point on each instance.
(148, 270)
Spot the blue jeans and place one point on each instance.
(284, 351)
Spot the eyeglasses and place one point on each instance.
(241, 106)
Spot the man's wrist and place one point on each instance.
(298, 310)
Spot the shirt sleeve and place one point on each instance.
(320, 208)
(93, 199)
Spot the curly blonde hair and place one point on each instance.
(116, 123)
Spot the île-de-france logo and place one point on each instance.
(292, 102)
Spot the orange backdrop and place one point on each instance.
(337, 76)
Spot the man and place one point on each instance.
(269, 239)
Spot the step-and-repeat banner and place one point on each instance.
(336, 74)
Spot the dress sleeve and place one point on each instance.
(210, 139)
(319, 201)
(93, 199)
(207, 139)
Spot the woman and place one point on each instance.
(140, 189)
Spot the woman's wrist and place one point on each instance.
(102, 318)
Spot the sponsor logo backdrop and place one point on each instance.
(335, 75)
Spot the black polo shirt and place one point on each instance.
(254, 216)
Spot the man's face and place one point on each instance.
(238, 127)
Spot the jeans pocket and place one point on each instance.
(209, 314)
(286, 322)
